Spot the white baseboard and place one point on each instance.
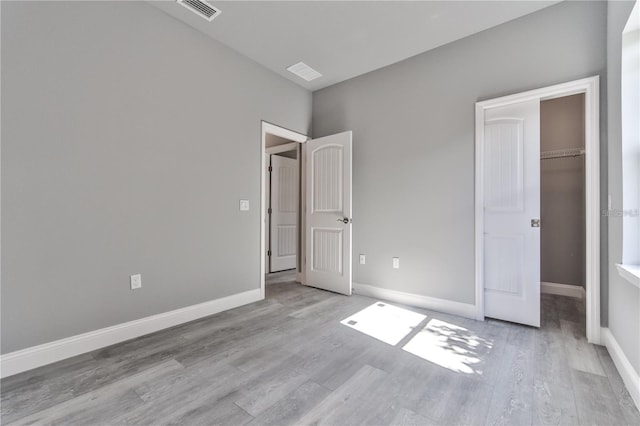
(441, 305)
(629, 375)
(563, 290)
(47, 353)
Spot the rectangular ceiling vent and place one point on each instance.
(201, 8)
(304, 71)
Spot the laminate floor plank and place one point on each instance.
(550, 318)
(230, 339)
(43, 387)
(223, 412)
(100, 405)
(629, 410)
(183, 394)
(288, 360)
(570, 309)
(342, 401)
(582, 355)
(292, 407)
(406, 417)
(272, 387)
(554, 402)
(182, 383)
(512, 400)
(453, 398)
(243, 319)
(596, 408)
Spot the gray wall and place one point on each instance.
(562, 192)
(127, 140)
(413, 127)
(624, 298)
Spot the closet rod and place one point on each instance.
(561, 153)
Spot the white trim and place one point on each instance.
(575, 291)
(630, 273)
(282, 148)
(590, 87)
(272, 129)
(466, 310)
(629, 375)
(479, 214)
(36, 356)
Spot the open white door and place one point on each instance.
(284, 213)
(512, 212)
(328, 213)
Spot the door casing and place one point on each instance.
(590, 87)
(269, 128)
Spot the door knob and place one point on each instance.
(535, 223)
(344, 220)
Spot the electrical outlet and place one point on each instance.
(396, 263)
(363, 259)
(136, 281)
(244, 205)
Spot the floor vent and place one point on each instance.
(201, 8)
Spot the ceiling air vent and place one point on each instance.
(304, 71)
(202, 8)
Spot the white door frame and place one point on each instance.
(590, 87)
(268, 128)
(271, 151)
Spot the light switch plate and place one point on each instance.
(363, 259)
(244, 205)
(136, 281)
(396, 263)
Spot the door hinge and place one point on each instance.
(269, 210)
(269, 253)
(270, 169)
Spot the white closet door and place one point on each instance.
(512, 212)
(284, 212)
(328, 213)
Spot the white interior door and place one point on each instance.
(511, 209)
(284, 212)
(328, 213)
(267, 222)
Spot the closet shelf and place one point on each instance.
(561, 153)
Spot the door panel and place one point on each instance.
(512, 201)
(328, 215)
(284, 212)
(327, 249)
(504, 260)
(504, 165)
(327, 179)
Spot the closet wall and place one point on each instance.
(562, 192)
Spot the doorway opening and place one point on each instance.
(283, 204)
(323, 236)
(562, 210)
(282, 215)
(502, 123)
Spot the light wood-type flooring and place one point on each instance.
(288, 360)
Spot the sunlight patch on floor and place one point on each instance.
(384, 322)
(450, 346)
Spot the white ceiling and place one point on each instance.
(344, 39)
